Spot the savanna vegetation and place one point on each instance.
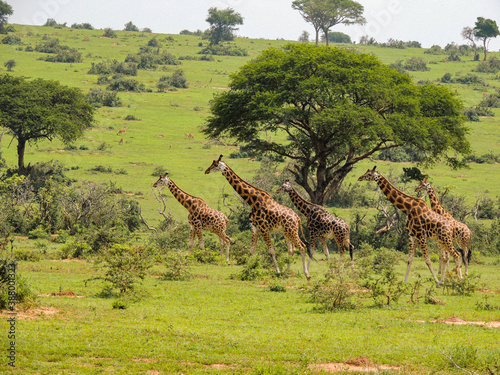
(104, 278)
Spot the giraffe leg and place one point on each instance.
(411, 253)
(255, 237)
(423, 247)
(200, 239)
(192, 235)
(270, 248)
(325, 247)
(291, 251)
(463, 246)
(295, 239)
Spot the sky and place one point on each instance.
(426, 21)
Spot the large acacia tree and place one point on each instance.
(485, 29)
(38, 109)
(324, 14)
(330, 108)
(5, 12)
(222, 24)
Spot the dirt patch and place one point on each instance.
(66, 293)
(35, 313)
(358, 364)
(458, 321)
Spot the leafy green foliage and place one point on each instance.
(177, 266)
(222, 24)
(369, 108)
(101, 98)
(41, 109)
(124, 266)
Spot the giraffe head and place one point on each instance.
(285, 187)
(370, 175)
(423, 186)
(217, 166)
(162, 181)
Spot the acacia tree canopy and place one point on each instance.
(222, 24)
(42, 109)
(324, 14)
(484, 30)
(328, 108)
(5, 12)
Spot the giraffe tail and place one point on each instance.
(351, 249)
(308, 245)
(463, 254)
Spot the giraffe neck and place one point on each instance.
(303, 206)
(244, 189)
(433, 199)
(180, 194)
(399, 199)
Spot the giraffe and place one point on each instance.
(266, 216)
(461, 233)
(421, 223)
(321, 223)
(201, 216)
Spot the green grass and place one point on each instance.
(158, 138)
(214, 324)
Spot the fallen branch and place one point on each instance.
(146, 224)
(457, 366)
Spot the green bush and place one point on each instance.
(110, 33)
(177, 266)
(223, 50)
(12, 40)
(74, 249)
(101, 98)
(124, 266)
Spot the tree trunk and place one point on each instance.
(21, 147)
(485, 50)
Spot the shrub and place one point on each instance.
(110, 33)
(490, 66)
(223, 50)
(113, 67)
(119, 83)
(86, 26)
(416, 64)
(12, 40)
(74, 249)
(25, 297)
(101, 98)
(446, 78)
(334, 292)
(470, 79)
(124, 266)
(66, 56)
(177, 266)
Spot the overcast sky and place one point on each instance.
(427, 21)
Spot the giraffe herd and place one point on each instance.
(423, 222)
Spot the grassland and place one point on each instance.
(212, 323)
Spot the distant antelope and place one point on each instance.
(189, 135)
(122, 131)
(121, 142)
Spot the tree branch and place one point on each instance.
(457, 366)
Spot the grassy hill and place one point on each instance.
(217, 322)
(157, 139)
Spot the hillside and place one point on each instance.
(135, 150)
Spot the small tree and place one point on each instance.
(484, 30)
(304, 37)
(222, 24)
(129, 26)
(42, 109)
(10, 64)
(5, 12)
(109, 33)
